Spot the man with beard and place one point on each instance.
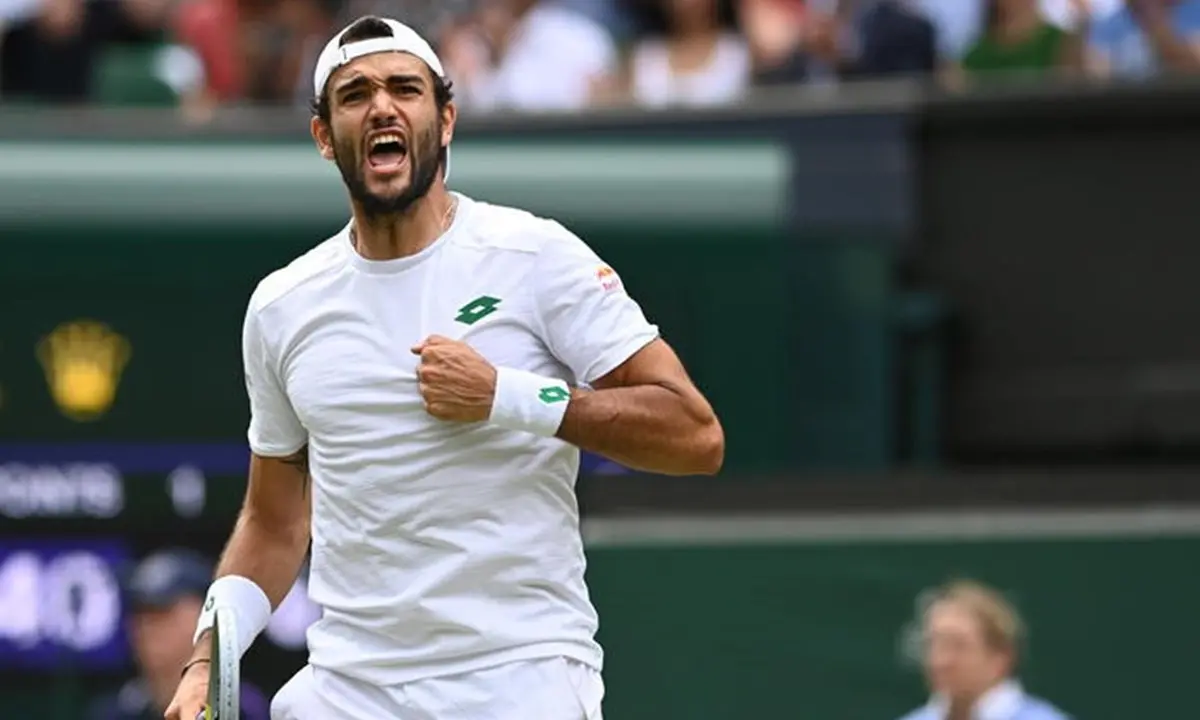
(420, 387)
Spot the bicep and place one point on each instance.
(658, 364)
(278, 493)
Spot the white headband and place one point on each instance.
(403, 39)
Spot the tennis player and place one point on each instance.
(420, 387)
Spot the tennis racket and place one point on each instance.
(224, 682)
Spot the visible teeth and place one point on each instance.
(386, 138)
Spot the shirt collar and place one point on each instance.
(1002, 702)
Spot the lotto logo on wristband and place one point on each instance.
(529, 402)
(553, 394)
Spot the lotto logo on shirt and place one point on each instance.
(608, 279)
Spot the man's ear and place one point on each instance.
(449, 117)
(323, 137)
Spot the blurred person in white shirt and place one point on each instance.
(531, 55)
(698, 59)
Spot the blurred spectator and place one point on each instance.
(528, 55)
(829, 41)
(972, 639)
(612, 14)
(211, 28)
(428, 17)
(119, 51)
(775, 31)
(145, 62)
(1017, 40)
(1149, 36)
(847, 39)
(166, 592)
(957, 23)
(279, 41)
(895, 38)
(48, 48)
(431, 18)
(693, 57)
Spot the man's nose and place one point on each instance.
(383, 111)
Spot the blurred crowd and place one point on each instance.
(550, 55)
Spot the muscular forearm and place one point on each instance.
(646, 427)
(270, 556)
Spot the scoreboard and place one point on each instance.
(93, 478)
(183, 488)
(77, 516)
(62, 603)
(122, 426)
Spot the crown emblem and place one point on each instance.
(83, 361)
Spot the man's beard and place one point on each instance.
(424, 159)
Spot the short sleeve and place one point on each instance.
(590, 323)
(275, 430)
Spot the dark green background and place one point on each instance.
(790, 334)
(813, 631)
(179, 294)
(816, 630)
(790, 328)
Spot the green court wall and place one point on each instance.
(787, 331)
(821, 630)
(826, 630)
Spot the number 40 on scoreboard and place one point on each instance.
(61, 604)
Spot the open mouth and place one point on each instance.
(386, 152)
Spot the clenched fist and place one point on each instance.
(456, 382)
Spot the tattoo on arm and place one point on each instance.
(299, 460)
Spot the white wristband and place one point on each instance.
(248, 602)
(529, 402)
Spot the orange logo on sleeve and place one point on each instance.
(608, 278)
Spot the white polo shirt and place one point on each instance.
(437, 547)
